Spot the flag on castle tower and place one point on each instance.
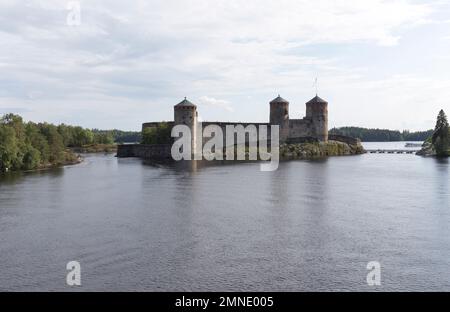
(315, 84)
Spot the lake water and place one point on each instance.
(310, 225)
(392, 145)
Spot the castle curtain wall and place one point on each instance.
(300, 128)
(223, 126)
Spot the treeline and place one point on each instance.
(29, 145)
(160, 134)
(119, 136)
(382, 135)
(26, 146)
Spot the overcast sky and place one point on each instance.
(379, 63)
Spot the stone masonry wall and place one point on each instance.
(144, 151)
(300, 128)
(223, 126)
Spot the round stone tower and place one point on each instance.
(185, 113)
(317, 111)
(279, 115)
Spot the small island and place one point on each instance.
(304, 138)
(438, 145)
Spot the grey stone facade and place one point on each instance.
(313, 126)
(155, 151)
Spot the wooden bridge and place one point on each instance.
(390, 151)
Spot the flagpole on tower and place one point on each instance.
(316, 84)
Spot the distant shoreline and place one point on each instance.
(95, 148)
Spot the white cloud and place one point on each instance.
(129, 54)
(206, 102)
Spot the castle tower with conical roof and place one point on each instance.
(185, 113)
(279, 115)
(317, 111)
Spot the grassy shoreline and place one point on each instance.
(72, 157)
(74, 160)
(70, 160)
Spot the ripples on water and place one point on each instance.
(311, 225)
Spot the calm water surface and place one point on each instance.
(311, 225)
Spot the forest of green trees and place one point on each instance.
(382, 135)
(161, 134)
(119, 136)
(29, 145)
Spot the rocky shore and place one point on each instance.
(69, 160)
(427, 150)
(319, 150)
(287, 151)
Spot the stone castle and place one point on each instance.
(312, 127)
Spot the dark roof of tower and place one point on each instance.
(316, 99)
(279, 99)
(185, 102)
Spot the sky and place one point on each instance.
(117, 64)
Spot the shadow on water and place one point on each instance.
(193, 165)
(442, 181)
(14, 177)
(10, 177)
(196, 165)
(442, 161)
(184, 165)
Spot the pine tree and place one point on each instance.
(441, 135)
